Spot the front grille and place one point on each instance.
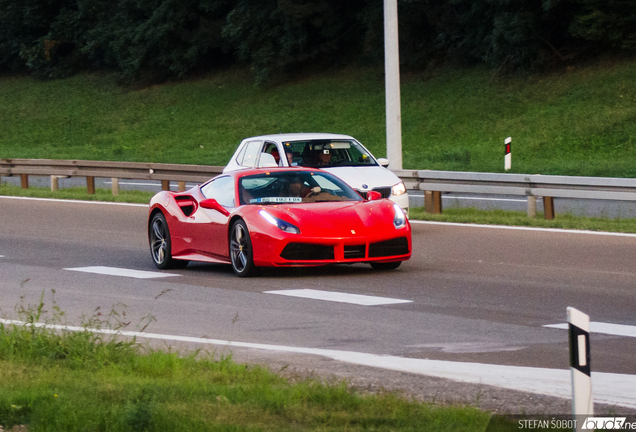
(355, 251)
(307, 252)
(398, 246)
(385, 192)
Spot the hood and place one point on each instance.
(338, 219)
(372, 176)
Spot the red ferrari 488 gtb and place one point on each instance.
(276, 217)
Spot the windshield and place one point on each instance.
(294, 187)
(329, 152)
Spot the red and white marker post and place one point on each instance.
(579, 336)
(508, 156)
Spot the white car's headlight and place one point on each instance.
(399, 221)
(398, 189)
(279, 223)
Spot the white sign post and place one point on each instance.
(579, 336)
(392, 86)
(508, 157)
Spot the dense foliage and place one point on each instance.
(170, 38)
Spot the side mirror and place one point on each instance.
(383, 162)
(373, 196)
(267, 161)
(212, 204)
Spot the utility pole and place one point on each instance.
(392, 85)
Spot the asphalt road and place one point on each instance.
(477, 294)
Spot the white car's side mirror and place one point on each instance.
(383, 162)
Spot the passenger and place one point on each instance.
(290, 159)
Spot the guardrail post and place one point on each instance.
(548, 207)
(24, 181)
(532, 206)
(54, 183)
(182, 186)
(165, 185)
(90, 185)
(433, 202)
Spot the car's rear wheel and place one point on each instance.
(241, 252)
(386, 266)
(160, 244)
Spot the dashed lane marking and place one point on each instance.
(604, 328)
(358, 299)
(609, 388)
(114, 271)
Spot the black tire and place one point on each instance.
(160, 244)
(385, 266)
(241, 252)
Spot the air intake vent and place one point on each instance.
(307, 252)
(398, 246)
(187, 204)
(357, 251)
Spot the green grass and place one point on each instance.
(78, 193)
(502, 217)
(580, 122)
(83, 381)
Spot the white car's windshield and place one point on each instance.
(327, 153)
(294, 187)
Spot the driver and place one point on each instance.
(324, 157)
(297, 188)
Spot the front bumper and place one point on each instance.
(299, 251)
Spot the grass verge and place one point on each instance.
(72, 381)
(503, 217)
(78, 193)
(580, 122)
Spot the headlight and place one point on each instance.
(398, 189)
(399, 221)
(279, 223)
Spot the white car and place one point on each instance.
(340, 155)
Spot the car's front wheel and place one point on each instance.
(160, 244)
(241, 252)
(386, 266)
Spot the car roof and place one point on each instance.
(299, 136)
(251, 171)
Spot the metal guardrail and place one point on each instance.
(433, 183)
(107, 169)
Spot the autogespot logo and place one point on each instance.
(606, 423)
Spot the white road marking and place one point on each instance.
(75, 201)
(358, 299)
(114, 271)
(604, 328)
(522, 228)
(609, 388)
(1, 256)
